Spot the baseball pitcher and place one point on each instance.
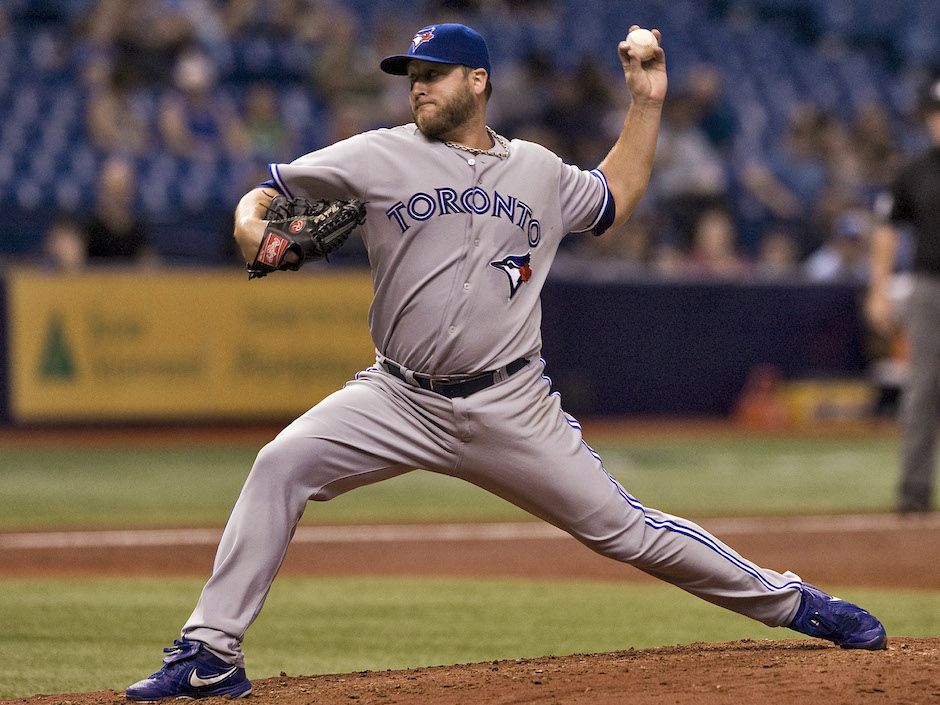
(461, 225)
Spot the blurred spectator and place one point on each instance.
(115, 121)
(348, 118)
(523, 86)
(270, 18)
(834, 201)
(577, 103)
(593, 91)
(844, 169)
(341, 62)
(540, 16)
(268, 138)
(715, 246)
(145, 36)
(65, 248)
(115, 231)
(462, 8)
(341, 66)
(844, 255)
(778, 253)
(195, 120)
(873, 138)
(787, 183)
(543, 135)
(631, 244)
(689, 175)
(669, 260)
(714, 113)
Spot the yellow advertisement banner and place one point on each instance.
(166, 345)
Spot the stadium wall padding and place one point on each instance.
(686, 348)
(194, 346)
(4, 355)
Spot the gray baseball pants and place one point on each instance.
(921, 398)
(512, 439)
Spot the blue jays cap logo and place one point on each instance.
(423, 35)
(517, 269)
(445, 43)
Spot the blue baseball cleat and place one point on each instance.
(826, 617)
(191, 671)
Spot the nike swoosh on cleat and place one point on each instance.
(196, 681)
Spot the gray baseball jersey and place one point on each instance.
(459, 246)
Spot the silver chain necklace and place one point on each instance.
(502, 153)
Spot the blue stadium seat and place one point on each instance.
(773, 54)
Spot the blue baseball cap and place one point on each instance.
(442, 44)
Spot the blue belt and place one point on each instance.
(452, 386)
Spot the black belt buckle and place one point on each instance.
(447, 380)
(459, 386)
(451, 388)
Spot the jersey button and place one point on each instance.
(476, 243)
(452, 330)
(466, 285)
(471, 161)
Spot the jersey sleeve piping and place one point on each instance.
(278, 181)
(607, 211)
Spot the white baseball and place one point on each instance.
(643, 42)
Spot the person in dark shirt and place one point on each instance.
(914, 200)
(114, 231)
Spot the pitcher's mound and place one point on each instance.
(807, 672)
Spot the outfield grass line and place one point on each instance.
(379, 533)
(110, 539)
(500, 531)
(838, 523)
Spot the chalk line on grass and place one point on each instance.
(442, 533)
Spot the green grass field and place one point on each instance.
(196, 486)
(62, 636)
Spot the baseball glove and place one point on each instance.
(309, 229)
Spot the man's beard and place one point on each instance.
(449, 116)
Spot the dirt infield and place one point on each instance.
(907, 673)
(889, 554)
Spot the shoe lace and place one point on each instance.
(178, 645)
(181, 650)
